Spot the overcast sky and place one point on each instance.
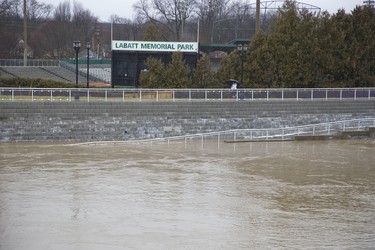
(124, 8)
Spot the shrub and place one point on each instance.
(33, 83)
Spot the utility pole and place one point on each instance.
(257, 25)
(24, 34)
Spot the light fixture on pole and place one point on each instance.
(88, 61)
(242, 48)
(76, 46)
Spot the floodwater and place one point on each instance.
(198, 195)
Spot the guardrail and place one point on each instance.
(124, 95)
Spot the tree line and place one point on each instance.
(301, 49)
(51, 30)
(296, 48)
(306, 49)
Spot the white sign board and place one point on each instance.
(155, 46)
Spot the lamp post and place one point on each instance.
(76, 46)
(88, 60)
(242, 48)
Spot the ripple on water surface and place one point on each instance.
(195, 195)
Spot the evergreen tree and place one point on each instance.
(154, 76)
(203, 76)
(177, 72)
(262, 66)
(363, 42)
(294, 41)
(152, 32)
(331, 49)
(230, 68)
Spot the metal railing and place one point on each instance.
(140, 95)
(281, 134)
(264, 135)
(29, 62)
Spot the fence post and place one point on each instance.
(51, 95)
(340, 94)
(157, 95)
(297, 95)
(221, 95)
(88, 95)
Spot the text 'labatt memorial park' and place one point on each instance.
(129, 57)
(155, 46)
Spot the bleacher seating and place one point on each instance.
(101, 73)
(58, 73)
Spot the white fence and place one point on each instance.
(124, 95)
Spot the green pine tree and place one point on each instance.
(177, 72)
(203, 76)
(154, 76)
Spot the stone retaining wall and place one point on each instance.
(54, 121)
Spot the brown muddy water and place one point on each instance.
(198, 195)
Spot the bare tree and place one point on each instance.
(38, 11)
(84, 22)
(209, 12)
(63, 13)
(172, 14)
(5, 8)
(124, 28)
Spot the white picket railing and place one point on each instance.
(141, 95)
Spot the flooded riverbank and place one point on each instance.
(198, 195)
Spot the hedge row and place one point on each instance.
(33, 83)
